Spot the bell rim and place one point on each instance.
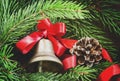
(45, 58)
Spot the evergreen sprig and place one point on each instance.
(109, 18)
(75, 74)
(105, 12)
(16, 24)
(43, 76)
(8, 67)
(82, 73)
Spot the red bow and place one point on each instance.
(47, 30)
(53, 32)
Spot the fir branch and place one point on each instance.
(74, 74)
(108, 18)
(104, 11)
(66, 9)
(8, 68)
(82, 73)
(26, 18)
(43, 76)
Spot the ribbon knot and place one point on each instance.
(57, 29)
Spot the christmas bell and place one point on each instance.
(45, 53)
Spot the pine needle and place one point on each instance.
(8, 68)
(19, 23)
(74, 74)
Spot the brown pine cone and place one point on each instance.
(88, 51)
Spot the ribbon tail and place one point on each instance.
(106, 56)
(68, 43)
(58, 47)
(69, 61)
(26, 44)
(108, 73)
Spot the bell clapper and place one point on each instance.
(40, 66)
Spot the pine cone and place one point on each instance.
(88, 51)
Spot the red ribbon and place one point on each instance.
(69, 61)
(111, 71)
(108, 73)
(106, 55)
(53, 32)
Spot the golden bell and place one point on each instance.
(45, 52)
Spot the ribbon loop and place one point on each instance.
(108, 73)
(111, 71)
(28, 42)
(43, 24)
(60, 29)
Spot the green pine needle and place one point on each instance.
(43, 77)
(17, 24)
(82, 73)
(74, 74)
(104, 11)
(8, 68)
(101, 66)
